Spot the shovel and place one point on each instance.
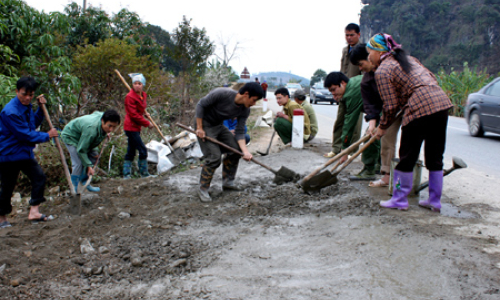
(458, 163)
(178, 154)
(327, 178)
(282, 175)
(74, 200)
(268, 147)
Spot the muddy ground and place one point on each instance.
(153, 239)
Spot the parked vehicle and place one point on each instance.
(292, 87)
(482, 111)
(319, 93)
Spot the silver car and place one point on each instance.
(482, 111)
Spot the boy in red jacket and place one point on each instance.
(135, 107)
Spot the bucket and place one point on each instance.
(417, 176)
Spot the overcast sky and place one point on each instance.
(275, 35)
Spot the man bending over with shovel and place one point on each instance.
(219, 105)
(81, 136)
(18, 138)
(349, 90)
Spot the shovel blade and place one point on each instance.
(284, 174)
(75, 207)
(319, 181)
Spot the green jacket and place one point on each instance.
(85, 133)
(354, 106)
(312, 117)
(346, 66)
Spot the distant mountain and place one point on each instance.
(279, 78)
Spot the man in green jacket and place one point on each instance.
(283, 123)
(350, 91)
(300, 97)
(81, 136)
(352, 36)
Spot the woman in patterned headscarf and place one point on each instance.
(405, 84)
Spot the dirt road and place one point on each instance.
(153, 239)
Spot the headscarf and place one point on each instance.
(384, 43)
(138, 77)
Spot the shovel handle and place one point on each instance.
(336, 157)
(61, 152)
(97, 161)
(123, 79)
(227, 147)
(366, 145)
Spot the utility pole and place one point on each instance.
(84, 5)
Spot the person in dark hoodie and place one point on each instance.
(135, 107)
(18, 138)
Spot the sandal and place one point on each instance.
(329, 154)
(378, 183)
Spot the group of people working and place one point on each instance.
(378, 79)
(81, 136)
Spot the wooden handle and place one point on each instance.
(61, 153)
(123, 79)
(227, 147)
(366, 145)
(96, 162)
(336, 157)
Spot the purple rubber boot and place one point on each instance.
(403, 182)
(435, 190)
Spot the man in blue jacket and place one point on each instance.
(18, 137)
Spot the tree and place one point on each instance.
(319, 75)
(191, 50)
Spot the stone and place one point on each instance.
(96, 270)
(55, 190)
(136, 262)
(123, 215)
(118, 190)
(14, 282)
(2, 268)
(16, 198)
(87, 271)
(86, 247)
(179, 262)
(103, 250)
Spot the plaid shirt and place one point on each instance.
(417, 93)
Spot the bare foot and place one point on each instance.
(35, 214)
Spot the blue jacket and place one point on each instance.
(232, 123)
(18, 135)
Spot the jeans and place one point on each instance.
(135, 143)
(9, 172)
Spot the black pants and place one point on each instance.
(135, 143)
(9, 172)
(432, 130)
(212, 153)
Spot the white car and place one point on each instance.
(292, 87)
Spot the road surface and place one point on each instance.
(480, 154)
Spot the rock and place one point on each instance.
(118, 190)
(79, 261)
(87, 271)
(179, 262)
(96, 270)
(136, 262)
(28, 253)
(155, 194)
(14, 282)
(113, 269)
(183, 254)
(123, 215)
(86, 247)
(2, 268)
(26, 200)
(146, 222)
(55, 190)
(16, 198)
(103, 250)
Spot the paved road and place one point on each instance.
(481, 154)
